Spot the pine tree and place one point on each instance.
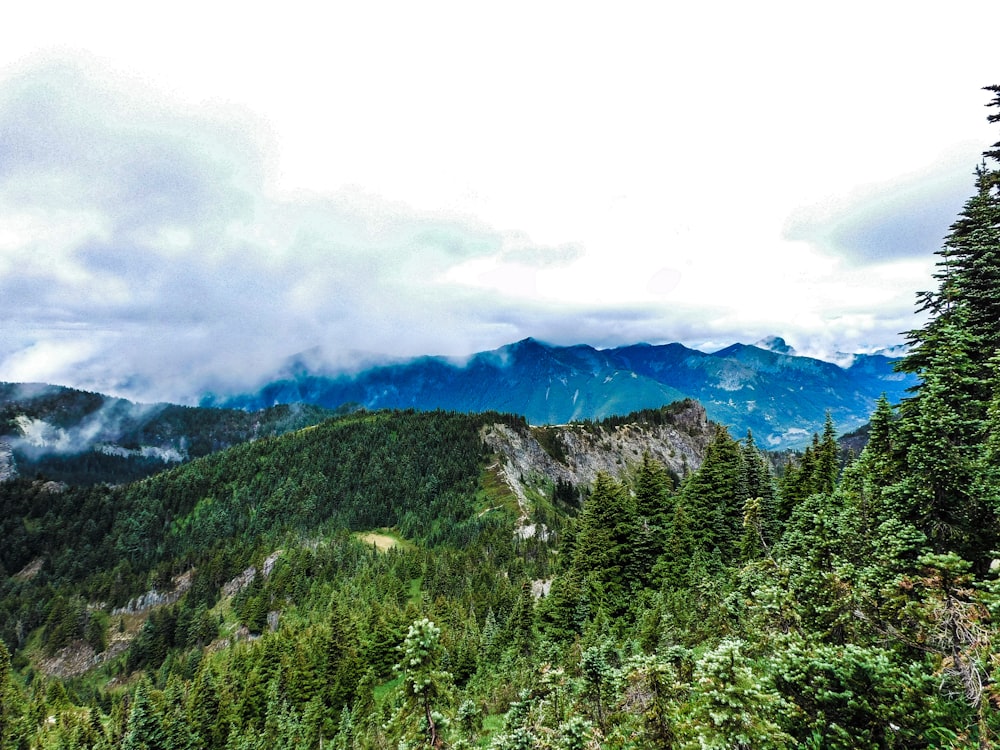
(711, 497)
(144, 730)
(425, 684)
(604, 555)
(945, 423)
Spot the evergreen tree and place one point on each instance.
(654, 500)
(679, 547)
(711, 497)
(732, 706)
(652, 686)
(207, 716)
(827, 465)
(597, 674)
(876, 469)
(425, 684)
(945, 423)
(521, 627)
(13, 735)
(604, 554)
(177, 732)
(758, 477)
(343, 667)
(653, 491)
(760, 512)
(144, 730)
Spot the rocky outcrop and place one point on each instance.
(677, 437)
(70, 661)
(576, 453)
(245, 578)
(30, 570)
(8, 469)
(154, 598)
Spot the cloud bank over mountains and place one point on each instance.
(140, 243)
(145, 252)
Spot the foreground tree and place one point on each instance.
(945, 424)
(425, 685)
(12, 730)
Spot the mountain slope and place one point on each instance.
(437, 478)
(781, 397)
(81, 437)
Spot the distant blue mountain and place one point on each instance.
(782, 398)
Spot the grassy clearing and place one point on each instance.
(494, 493)
(383, 540)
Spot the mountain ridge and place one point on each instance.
(781, 397)
(83, 437)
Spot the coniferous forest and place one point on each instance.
(359, 583)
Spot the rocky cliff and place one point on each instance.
(677, 436)
(8, 469)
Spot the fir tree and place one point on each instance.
(144, 730)
(711, 497)
(604, 554)
(945, 423)
(342, 668)
(653, 490)
(732, 705)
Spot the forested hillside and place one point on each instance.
(89, 438)
(371, 582)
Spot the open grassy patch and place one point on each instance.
(383, 540)
(494, 493)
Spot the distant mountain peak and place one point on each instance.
(529, 342)
(776, 344)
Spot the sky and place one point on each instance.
(192, 193)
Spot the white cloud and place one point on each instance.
(443, 178)
(176, 269)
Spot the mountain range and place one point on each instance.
(781, 397)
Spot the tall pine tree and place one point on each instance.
(945, 423)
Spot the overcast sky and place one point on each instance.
(192, 193)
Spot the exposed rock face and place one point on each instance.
(679, 443)
(30, 570)
(245, 578)
(576, 453)
(154, 598)
(8, 469)
(70, 661)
